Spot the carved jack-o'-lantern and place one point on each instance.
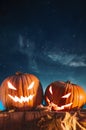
(21, 91)
(65, 95)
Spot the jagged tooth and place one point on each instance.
(21, 99)
(68, 105)
(25, 99)
(31, 96)
(17, 99)
(13, 98)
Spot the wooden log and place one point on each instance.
(28, 120)
(20, 120)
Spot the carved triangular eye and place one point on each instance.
(31, 85)
(11, 86)
(66, 96)
(50, 90)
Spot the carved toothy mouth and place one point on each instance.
(21, 99)
(56, 107)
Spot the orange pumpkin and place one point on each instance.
(21, 91)
(65, 95)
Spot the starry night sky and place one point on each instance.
(44, 37)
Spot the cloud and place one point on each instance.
(78, 64)
(72, 60)
(27, 47)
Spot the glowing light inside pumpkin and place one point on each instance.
(66, 96)
(50, 90)
(68, 105)
(56, 107)
(21, 99)
(31, 85)
(11, 86)
(47, 99)
(62, 107)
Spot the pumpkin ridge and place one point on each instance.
(12, 81)
(78, 93)
(66, 96)
(24, 88)
(16, 94)
(67, 91)
(72, 94)
(33, 89)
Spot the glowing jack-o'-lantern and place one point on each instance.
(21, 91)
(65, 96)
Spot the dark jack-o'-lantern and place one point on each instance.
(65, 96)
(21, 91)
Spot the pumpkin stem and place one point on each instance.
(18, 73)
(68, 81)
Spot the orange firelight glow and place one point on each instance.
(50, 90)
(21, 99)
(31, 85)
(55, 106)
(11, 86)
(66, 96)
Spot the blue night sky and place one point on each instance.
(44, 37)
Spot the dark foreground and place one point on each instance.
(43, 120)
